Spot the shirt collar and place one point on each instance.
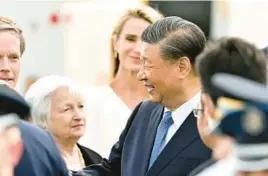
(180, 114)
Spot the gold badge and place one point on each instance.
(253, 122)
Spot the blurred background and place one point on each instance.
(71, 38)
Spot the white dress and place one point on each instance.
(106, 119)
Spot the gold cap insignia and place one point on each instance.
(253, 122)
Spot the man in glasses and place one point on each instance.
(247, 125)
(227, 55)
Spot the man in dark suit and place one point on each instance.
(161, 137)
(227, 55)
(40, 155)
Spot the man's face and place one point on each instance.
(158, 75)
(11, 143)
(204, 120)
(221, 146)
(9, 57)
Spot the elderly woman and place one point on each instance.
(58, 106)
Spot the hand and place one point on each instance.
(10, 150)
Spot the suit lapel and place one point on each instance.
(155, 119)
(183, 137)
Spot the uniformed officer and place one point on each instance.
(247, 125)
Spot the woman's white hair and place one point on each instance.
(40, 93)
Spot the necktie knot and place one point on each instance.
(167, 119)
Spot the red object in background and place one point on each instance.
(67, 18)
(54, 18)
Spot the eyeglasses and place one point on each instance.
(198, 112)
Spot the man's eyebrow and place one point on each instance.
(131, 35)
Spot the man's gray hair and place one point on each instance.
(176, 37)
(39, 96)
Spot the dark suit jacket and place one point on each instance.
(202, 167)
(41, 156)
(131, 154)
(89, 156)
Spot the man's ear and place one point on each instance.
(209, 107)
(184, 66)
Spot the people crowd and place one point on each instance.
(176, 105)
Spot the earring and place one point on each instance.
(115, 54)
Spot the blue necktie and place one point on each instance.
(161, 133)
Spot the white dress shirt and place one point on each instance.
(179, 115)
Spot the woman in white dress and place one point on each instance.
(112, 104)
